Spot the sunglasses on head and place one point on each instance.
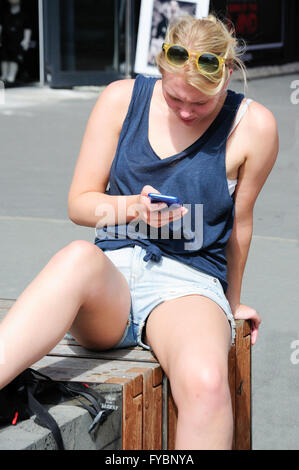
(207, 63)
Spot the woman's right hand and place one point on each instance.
(156, 214)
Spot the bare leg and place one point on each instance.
(191, 339)
(78, 286)
(4, 70)
(13, 70)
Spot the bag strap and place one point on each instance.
(98, 413)
(44, 417)
(94, 407)
(92, 397)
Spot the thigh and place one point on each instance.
(188, 331)
(103, 316)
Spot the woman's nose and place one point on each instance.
(186, 112)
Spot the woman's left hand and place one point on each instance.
(243, 312)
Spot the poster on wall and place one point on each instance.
(154, 18)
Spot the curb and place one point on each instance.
(268, 71)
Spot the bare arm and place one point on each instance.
(97, 151)
(262, 149)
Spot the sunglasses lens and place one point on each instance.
(208, 63)
(177, 55)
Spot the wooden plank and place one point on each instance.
(156, 438)
(232, 383)
(3, 314)
(171, 421)
(152, 410)
(86, 370)
(246, 327)
(126, 354)
(243, 388)
(132, 419)
(6, 303)
(152, 424)
(157, 376)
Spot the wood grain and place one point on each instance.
(243, 387)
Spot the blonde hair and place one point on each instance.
(209, 34)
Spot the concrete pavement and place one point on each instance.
(40, 133)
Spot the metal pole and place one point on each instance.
(41, 43)
(128, 39)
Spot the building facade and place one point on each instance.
(93, 42)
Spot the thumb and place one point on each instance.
(148, 189)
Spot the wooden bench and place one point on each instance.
(134, 377)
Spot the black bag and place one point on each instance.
(26, 394)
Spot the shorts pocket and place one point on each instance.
(199, 274)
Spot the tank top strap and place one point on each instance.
(142, 93)
(218, 133)
(242, 111)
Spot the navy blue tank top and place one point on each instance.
(197, 176)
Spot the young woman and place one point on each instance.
(166, 279)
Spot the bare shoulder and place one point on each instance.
(261, 135)
(119, 90)
(261, 121)
(113, 102)
(261, 146)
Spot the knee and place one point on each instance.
(79, 254)
(201, 386)
(79, 249)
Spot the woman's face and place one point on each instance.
(188, 103)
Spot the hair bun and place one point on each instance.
(211, 18)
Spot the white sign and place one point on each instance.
(154, 18)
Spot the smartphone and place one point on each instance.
(169, 200)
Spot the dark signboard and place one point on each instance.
(261, 24)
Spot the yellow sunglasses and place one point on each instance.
(207, 63)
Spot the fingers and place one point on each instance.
(255, 323)
(158, 218)
(153, 206)
(148, 189)
(243, 312)
(159, 214)
(254, 334)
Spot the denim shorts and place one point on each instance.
(151, 283)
